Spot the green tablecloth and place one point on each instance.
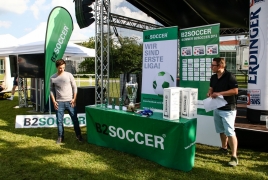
(170, 143)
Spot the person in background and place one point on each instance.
(224, 83)
(1, 88)
(15, 85)
(63, 91)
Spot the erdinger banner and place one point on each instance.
(258, 65)
(59, 31)
(159, 66)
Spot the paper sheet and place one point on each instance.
(214, 103)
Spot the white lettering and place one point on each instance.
(158, 140)
(122, 132)
(158, 36)
(127, 136)
(197, 32)
(112, 132)
(138, 137)
(148, 139)
(60, 42)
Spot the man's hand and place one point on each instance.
(210, 91)
(73, 103)
(55, 105)
(215, 94)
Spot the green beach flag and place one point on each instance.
(59, 31)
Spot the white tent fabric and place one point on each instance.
(72, 50)
(33, 43)
(39, 34)
(7, 40)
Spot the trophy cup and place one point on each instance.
(131, 89)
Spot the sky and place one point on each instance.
(20, 17)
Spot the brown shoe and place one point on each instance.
(59, 140)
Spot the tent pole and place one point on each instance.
(49, 107)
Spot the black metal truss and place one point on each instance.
(233, 31)
(130, 23)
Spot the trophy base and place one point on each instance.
(130, 109)
(133, 108)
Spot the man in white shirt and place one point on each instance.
(63, 86)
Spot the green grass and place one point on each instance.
(114, 86)
(242, 80)
(29, 154)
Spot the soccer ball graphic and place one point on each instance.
(162, 80)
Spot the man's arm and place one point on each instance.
(229, 92)
(74, 98)
(74, 89)
(53, 99)
(210, 92)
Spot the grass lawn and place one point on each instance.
(29, 154)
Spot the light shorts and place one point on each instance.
(224, 122)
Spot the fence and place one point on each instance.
(82, 81)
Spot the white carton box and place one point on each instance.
(171, 103)
(189, 99)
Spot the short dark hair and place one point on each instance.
(220, 61)
(60, 62)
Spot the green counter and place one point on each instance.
(170, 143)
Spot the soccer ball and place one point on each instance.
(162, 80)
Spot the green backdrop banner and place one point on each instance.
(59, 31)
(159, 66)
(169, 143)
(198, 46)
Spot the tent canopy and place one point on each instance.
(191, 13)
(34, 43)
(7, 40)
(72, 50)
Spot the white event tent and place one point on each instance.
(72, 50)
(33, 43)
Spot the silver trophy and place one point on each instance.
(131, 89)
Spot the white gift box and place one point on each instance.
(189, 101)
(171, 103)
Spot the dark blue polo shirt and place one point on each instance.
(226, 82)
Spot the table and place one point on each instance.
(170, 143)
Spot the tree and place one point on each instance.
(88, 65)
(90, 43)
(124, 58)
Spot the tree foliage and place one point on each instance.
(125, 57)
(88, 65)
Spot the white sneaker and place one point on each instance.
(10, 99)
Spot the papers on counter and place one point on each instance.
(214, 103)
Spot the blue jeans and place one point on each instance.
(62, 106)
(224, 122)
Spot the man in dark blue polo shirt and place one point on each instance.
(224, 83)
